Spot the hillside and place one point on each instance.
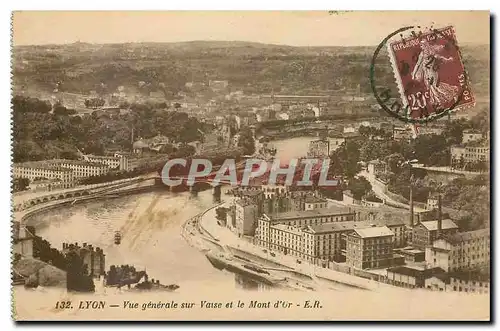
(250, 67)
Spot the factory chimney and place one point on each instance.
(440, 218)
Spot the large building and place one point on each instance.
(460, 251)
(322, 242)
(335, 143)
(35, 171)
(319, 148)
(468, 282)
(80, 169)
(270, 231)
(470, 136)
(246, 217)
(310, 217)
(424, 233)
(375, 168)
(412, 276)
(462, 155)
(313, 202)
(118, 162)
(22, 240)
(370, 247)
(402, 133)
(93, 258)
(66, 172)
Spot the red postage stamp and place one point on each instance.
(430, 73)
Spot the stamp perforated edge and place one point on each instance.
(399, 82)
(11, 159)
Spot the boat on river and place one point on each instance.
(118, 238)
(225, 261)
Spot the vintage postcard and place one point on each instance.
(256, 166)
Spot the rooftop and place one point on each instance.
(320, 212)
(101, 157)
(77, 162)
(40, 165)
(414, 272)
(469, 235)
(470, 275)
(336, 226)
(313, 199)
(245, 202)
(374, 231)
(140, 144)
(287, 228)
(433, 225)
(251, 193)
(377, 161)
(350, 225)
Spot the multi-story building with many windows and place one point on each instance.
(470, 136)
(309, 217)
(269, 232)
(40, 170)
(118, 162)
(460, 251)
(319, 148)
(246, 217)
(370, 247)
(474, 152)
(424, 233)
(81, 169)
(312, 202)
(459, 281)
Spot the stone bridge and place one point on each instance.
(75, 193)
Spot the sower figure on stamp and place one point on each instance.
(427, 70)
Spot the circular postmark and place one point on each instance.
(429, 74)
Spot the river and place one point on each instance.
(150, 225)
(291, 148)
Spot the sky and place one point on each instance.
(295, 28)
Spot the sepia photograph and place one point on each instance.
(250, 166)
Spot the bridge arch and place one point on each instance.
(32, 202)
(77, 194)
(52, 197)
(85, 193)
(61, 196)
(45, 199)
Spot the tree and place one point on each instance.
(345, 160)
(359, 187)
(39, 135)
(454, 131)
(365, 131)
(20, 184)
(59, 109)
(432, 150)
(373, 150)
(394, 161)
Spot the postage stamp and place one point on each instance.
(430, 74)
(216, 166)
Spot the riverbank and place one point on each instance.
(279, 265)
